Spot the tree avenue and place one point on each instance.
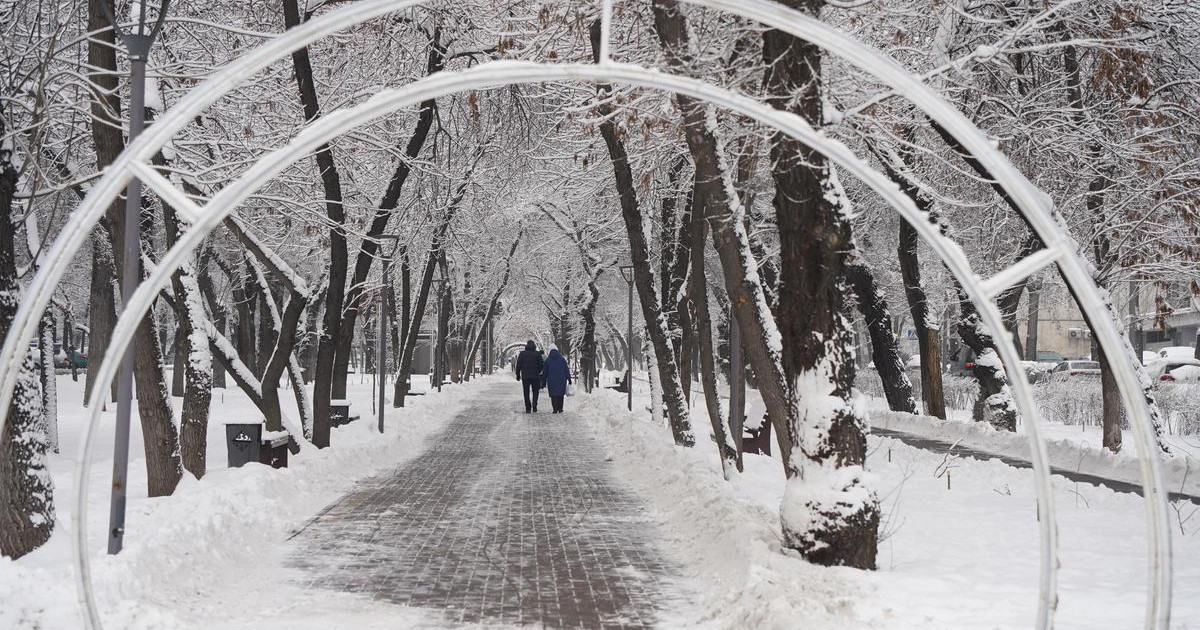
(489, 217)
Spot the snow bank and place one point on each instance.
(726, 535)
(958, 540)
(209, 555)
(1181, 473)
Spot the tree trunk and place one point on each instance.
(698, 296)
(368, 249)
(884, 351)
(193, 364)
(280, 359)
(643, 276)
(739, 265)
(48, 378)
(335, 291)
(106, 135)
(928, 333)
(737, 387)
(830, 519)
(401, 387)
(995, 404)
(1032, 316)
(179, 351)
(159, 433)
(1111, 402)
(26, 492)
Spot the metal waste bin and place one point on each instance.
(244, 442)
(758, 440)
(339, 412)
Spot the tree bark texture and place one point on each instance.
(656, 327)
(928, 342)
(814, 235)
(26, 492)
(884, 349)
(159, 433)
(739, 266)
(995, 404)
(338, 256)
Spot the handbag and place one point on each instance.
(570, 389)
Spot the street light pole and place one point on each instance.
(381, 348)
(137, 44)
(627, 273)
(437, 336)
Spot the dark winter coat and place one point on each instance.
(529, 363)
(557, 374)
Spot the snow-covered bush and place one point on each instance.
(1074, 402)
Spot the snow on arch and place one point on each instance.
(1034, 204)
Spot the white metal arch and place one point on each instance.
(1035, 205)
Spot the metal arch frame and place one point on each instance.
(1036, 206)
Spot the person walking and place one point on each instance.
(528, 369)
(557, 375)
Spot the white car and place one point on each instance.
(1184, 374)
(1074, 369)
(1177, 352)
(1163, 369)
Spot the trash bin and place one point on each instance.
(339, 412)
(758, 440)
(246, 443)
(273, 449)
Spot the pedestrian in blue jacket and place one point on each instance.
(557, 374)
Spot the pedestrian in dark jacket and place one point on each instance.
(528, 368)
(557, 375)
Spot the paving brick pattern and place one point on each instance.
(508, 519)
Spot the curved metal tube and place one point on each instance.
(1034, 204)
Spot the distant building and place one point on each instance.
(1062, 329)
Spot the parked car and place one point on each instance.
(1072, 369)
(1177, 352)
(1049, 356)
(1149, 357)
(72, 358)
(1162, 369)
(1184, 374)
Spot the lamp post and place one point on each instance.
(627, 273)
(137, 44)
(381, 348)
(435, 347)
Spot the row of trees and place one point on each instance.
(512, 209)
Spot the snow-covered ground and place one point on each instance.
(963, 556)
(207, 557)
(1071, 447)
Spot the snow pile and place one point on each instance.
(727, 534)
(1180, 472)
(210, 551)
(958, 541)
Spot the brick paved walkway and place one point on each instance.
(508, 519)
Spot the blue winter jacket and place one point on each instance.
(556, 374)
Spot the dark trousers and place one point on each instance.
(530, 387)
(556, 402)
